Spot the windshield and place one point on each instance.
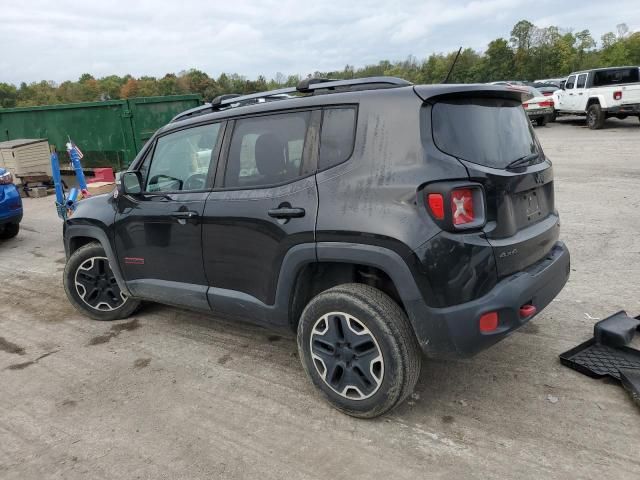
(488, 131)
(535, 92)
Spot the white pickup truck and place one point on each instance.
(600, 94)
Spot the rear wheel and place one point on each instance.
(92, 288)
(621, 117)
(542, 121)
(595, 117)
(358, 348)
(10, 230)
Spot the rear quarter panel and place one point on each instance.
(371, 198)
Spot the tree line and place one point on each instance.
(529, 53)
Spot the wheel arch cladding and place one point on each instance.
(387, 261)
(76, 236)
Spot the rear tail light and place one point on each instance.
(462, 206)
(546, 103)
(525, 105)
(617, 95)
(455, 205)
(6, 178)
(547, 94)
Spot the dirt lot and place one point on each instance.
(174, 394)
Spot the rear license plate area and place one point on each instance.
(530, 206)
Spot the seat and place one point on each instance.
(270, 158)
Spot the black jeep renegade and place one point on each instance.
(377, 219)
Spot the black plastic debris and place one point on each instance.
(607, 353)
(630, 379)
(616, 330)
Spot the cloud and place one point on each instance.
(61, 39)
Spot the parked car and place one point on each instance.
(546, 89)
(377, 219)
(10, 206)
(539, 107)
(557, 82)
(509, 82)
(600, 94)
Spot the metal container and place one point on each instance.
(109, 133)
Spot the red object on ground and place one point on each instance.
(103, 175)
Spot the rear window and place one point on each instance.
(614, 77)
(488, 131)
(337, 137)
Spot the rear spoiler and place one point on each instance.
(432, 93)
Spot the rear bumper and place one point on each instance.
(454, 331)
(631, 109)
(541, 112)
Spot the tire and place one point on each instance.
(554, 116)
(91, 286)
(10, 230)
(368, 377)
(621, 117)
(595, 117)
(541, 121)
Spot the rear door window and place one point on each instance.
(337, 136)
(266, 150)
(488, 131)
(582, 80)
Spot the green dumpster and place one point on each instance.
(109, 133)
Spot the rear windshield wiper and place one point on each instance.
(522, 161)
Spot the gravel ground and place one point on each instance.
(174, 394)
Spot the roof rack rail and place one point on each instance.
(306, 86)
(367, 83)
(303, 85)
(219, 98)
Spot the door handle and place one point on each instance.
(184, 215)
(286, 212)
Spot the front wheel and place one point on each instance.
(358, 348)
(92, 288)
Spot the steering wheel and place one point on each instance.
(197, 181)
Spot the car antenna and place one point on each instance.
(452, 65)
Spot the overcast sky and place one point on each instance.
(61, 39)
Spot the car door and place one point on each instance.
(580, 94)
(566, 95)
(264, 205)
(158, 231)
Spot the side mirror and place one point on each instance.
(131, 183)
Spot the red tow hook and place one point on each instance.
(527, 311)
